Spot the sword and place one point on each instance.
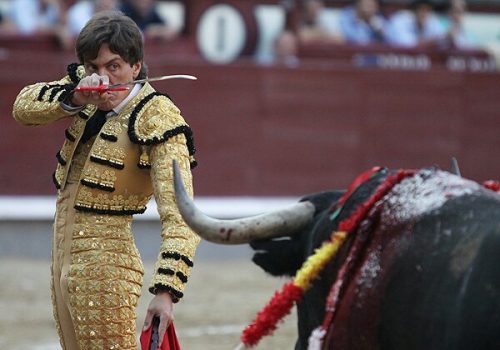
(155, 336)
(123, 86)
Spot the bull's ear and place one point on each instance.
(323, 200)
(454, 167)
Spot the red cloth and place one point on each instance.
(170, 341)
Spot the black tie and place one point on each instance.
(94, 125)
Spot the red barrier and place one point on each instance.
(282, 131)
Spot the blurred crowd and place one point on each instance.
(65, 19)
(364, 23)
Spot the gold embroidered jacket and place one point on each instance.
(129, 161)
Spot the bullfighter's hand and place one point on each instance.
(162, 306)
(81, 98)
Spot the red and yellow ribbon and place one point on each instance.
(282, 302)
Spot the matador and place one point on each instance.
(117, 154)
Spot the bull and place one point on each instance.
(420, 271)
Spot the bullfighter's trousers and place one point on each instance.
(97, 277)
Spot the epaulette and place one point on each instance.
(156, 119)
(75, 72)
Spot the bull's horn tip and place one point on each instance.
(454, 169)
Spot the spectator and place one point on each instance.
(83, 10)
(36, 16)
(145, 14)
(362, 23)
(6, 25)
(78, 15)
(313, 27)
(456, 35)
(286, 49)
(417, 28)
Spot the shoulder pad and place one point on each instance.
(76, 72)
(156, 119)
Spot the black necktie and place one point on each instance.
(94, 125)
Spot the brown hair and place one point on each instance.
(120, 32)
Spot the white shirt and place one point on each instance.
(135, 90)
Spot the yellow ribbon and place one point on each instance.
(316, 262)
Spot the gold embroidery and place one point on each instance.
(105, 202)
(169, 280)
(59, 174)
(97, 176)
(89, 110)
(175, 265)
(77, 127)
(177, 237)
(66, 150)
(158, 116)
(102, 150)
(35, 106)
(112, 127)
(104, 281)
(144, 158)
(78, 162)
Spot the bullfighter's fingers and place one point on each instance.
(165, 321)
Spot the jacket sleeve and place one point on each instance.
(40, 103)
(179, 243)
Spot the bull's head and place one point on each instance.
(287, 221)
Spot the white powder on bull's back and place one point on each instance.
(424, 192)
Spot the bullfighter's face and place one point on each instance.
(112, 65)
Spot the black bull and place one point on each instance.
(426, 273)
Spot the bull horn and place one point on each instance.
(286, 221)
(454, 169)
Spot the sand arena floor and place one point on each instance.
(221, 299)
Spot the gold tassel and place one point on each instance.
(144, 158)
